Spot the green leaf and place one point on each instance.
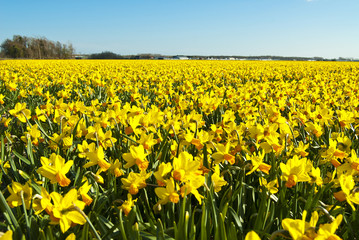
(204, 222)
(221, 227)
(22, 158)
(122, 228)
(160, 233)
(29, 152)
(236, 219)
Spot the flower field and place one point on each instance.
(167, 149)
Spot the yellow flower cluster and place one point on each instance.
(179, 128)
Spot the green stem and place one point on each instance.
(122, 229)
(25, 212)
(296, 201)
(88, 221)
(125, 136)
(8, 210)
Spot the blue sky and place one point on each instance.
(325, 28)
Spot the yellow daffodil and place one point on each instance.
(2, 99)
(354, 160)
(55, 169)
(300, 229)
(128, 204)
(344, 143)
(21, 112)
(300, 150)
(72, 236)
(83, 192)
(135, 181)
(332, 153)
(147, 141)
(345, 118)
(223, 154)
(67, 209)
(315, 176)
(40, 114)
(107, 140)
(16, 190)
(7, 235)
(184, 166)
(95, 133)
(11, 86)
(96, 157)
(85, 148)
(271, 186)
(42, 202)
(115, 168)
(327, 231)
(5, 165)
(257, 163)
(217, 181)
(272, 143)
(33, 134)
(192, 186)
(346, 194)
(167, 194)
(252, 235)
(295, 170)
(314, 128)
(136, 156)
(162, 174)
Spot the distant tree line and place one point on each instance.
(35, 48)
(105, 55)
(111, 55)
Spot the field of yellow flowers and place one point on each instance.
(179, 149)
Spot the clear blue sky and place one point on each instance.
(326, 28)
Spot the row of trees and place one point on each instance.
(35, 48)
(111, 55)
(105, 55)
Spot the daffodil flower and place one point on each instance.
(167, 194)
(271, 186)
(252, 235)
(191, 186)
(42, 202)
(217, 181)
(300, 229)
(135, 181)
(83, 191)
(327, 231)
(223, 154)
(346, 194)
(136, 156)
(96, 157)
(161, 174)
(66, 209)
(147, 141)
(16, 190)
(300, 150)
(127, 206)
(258, 164)
(7, 235)
(184, 166)
(33, 134)
(115, 168)
(2, 99)
(21, 112)
(55, 169)
(295, 170)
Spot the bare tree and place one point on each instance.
(37, 48)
